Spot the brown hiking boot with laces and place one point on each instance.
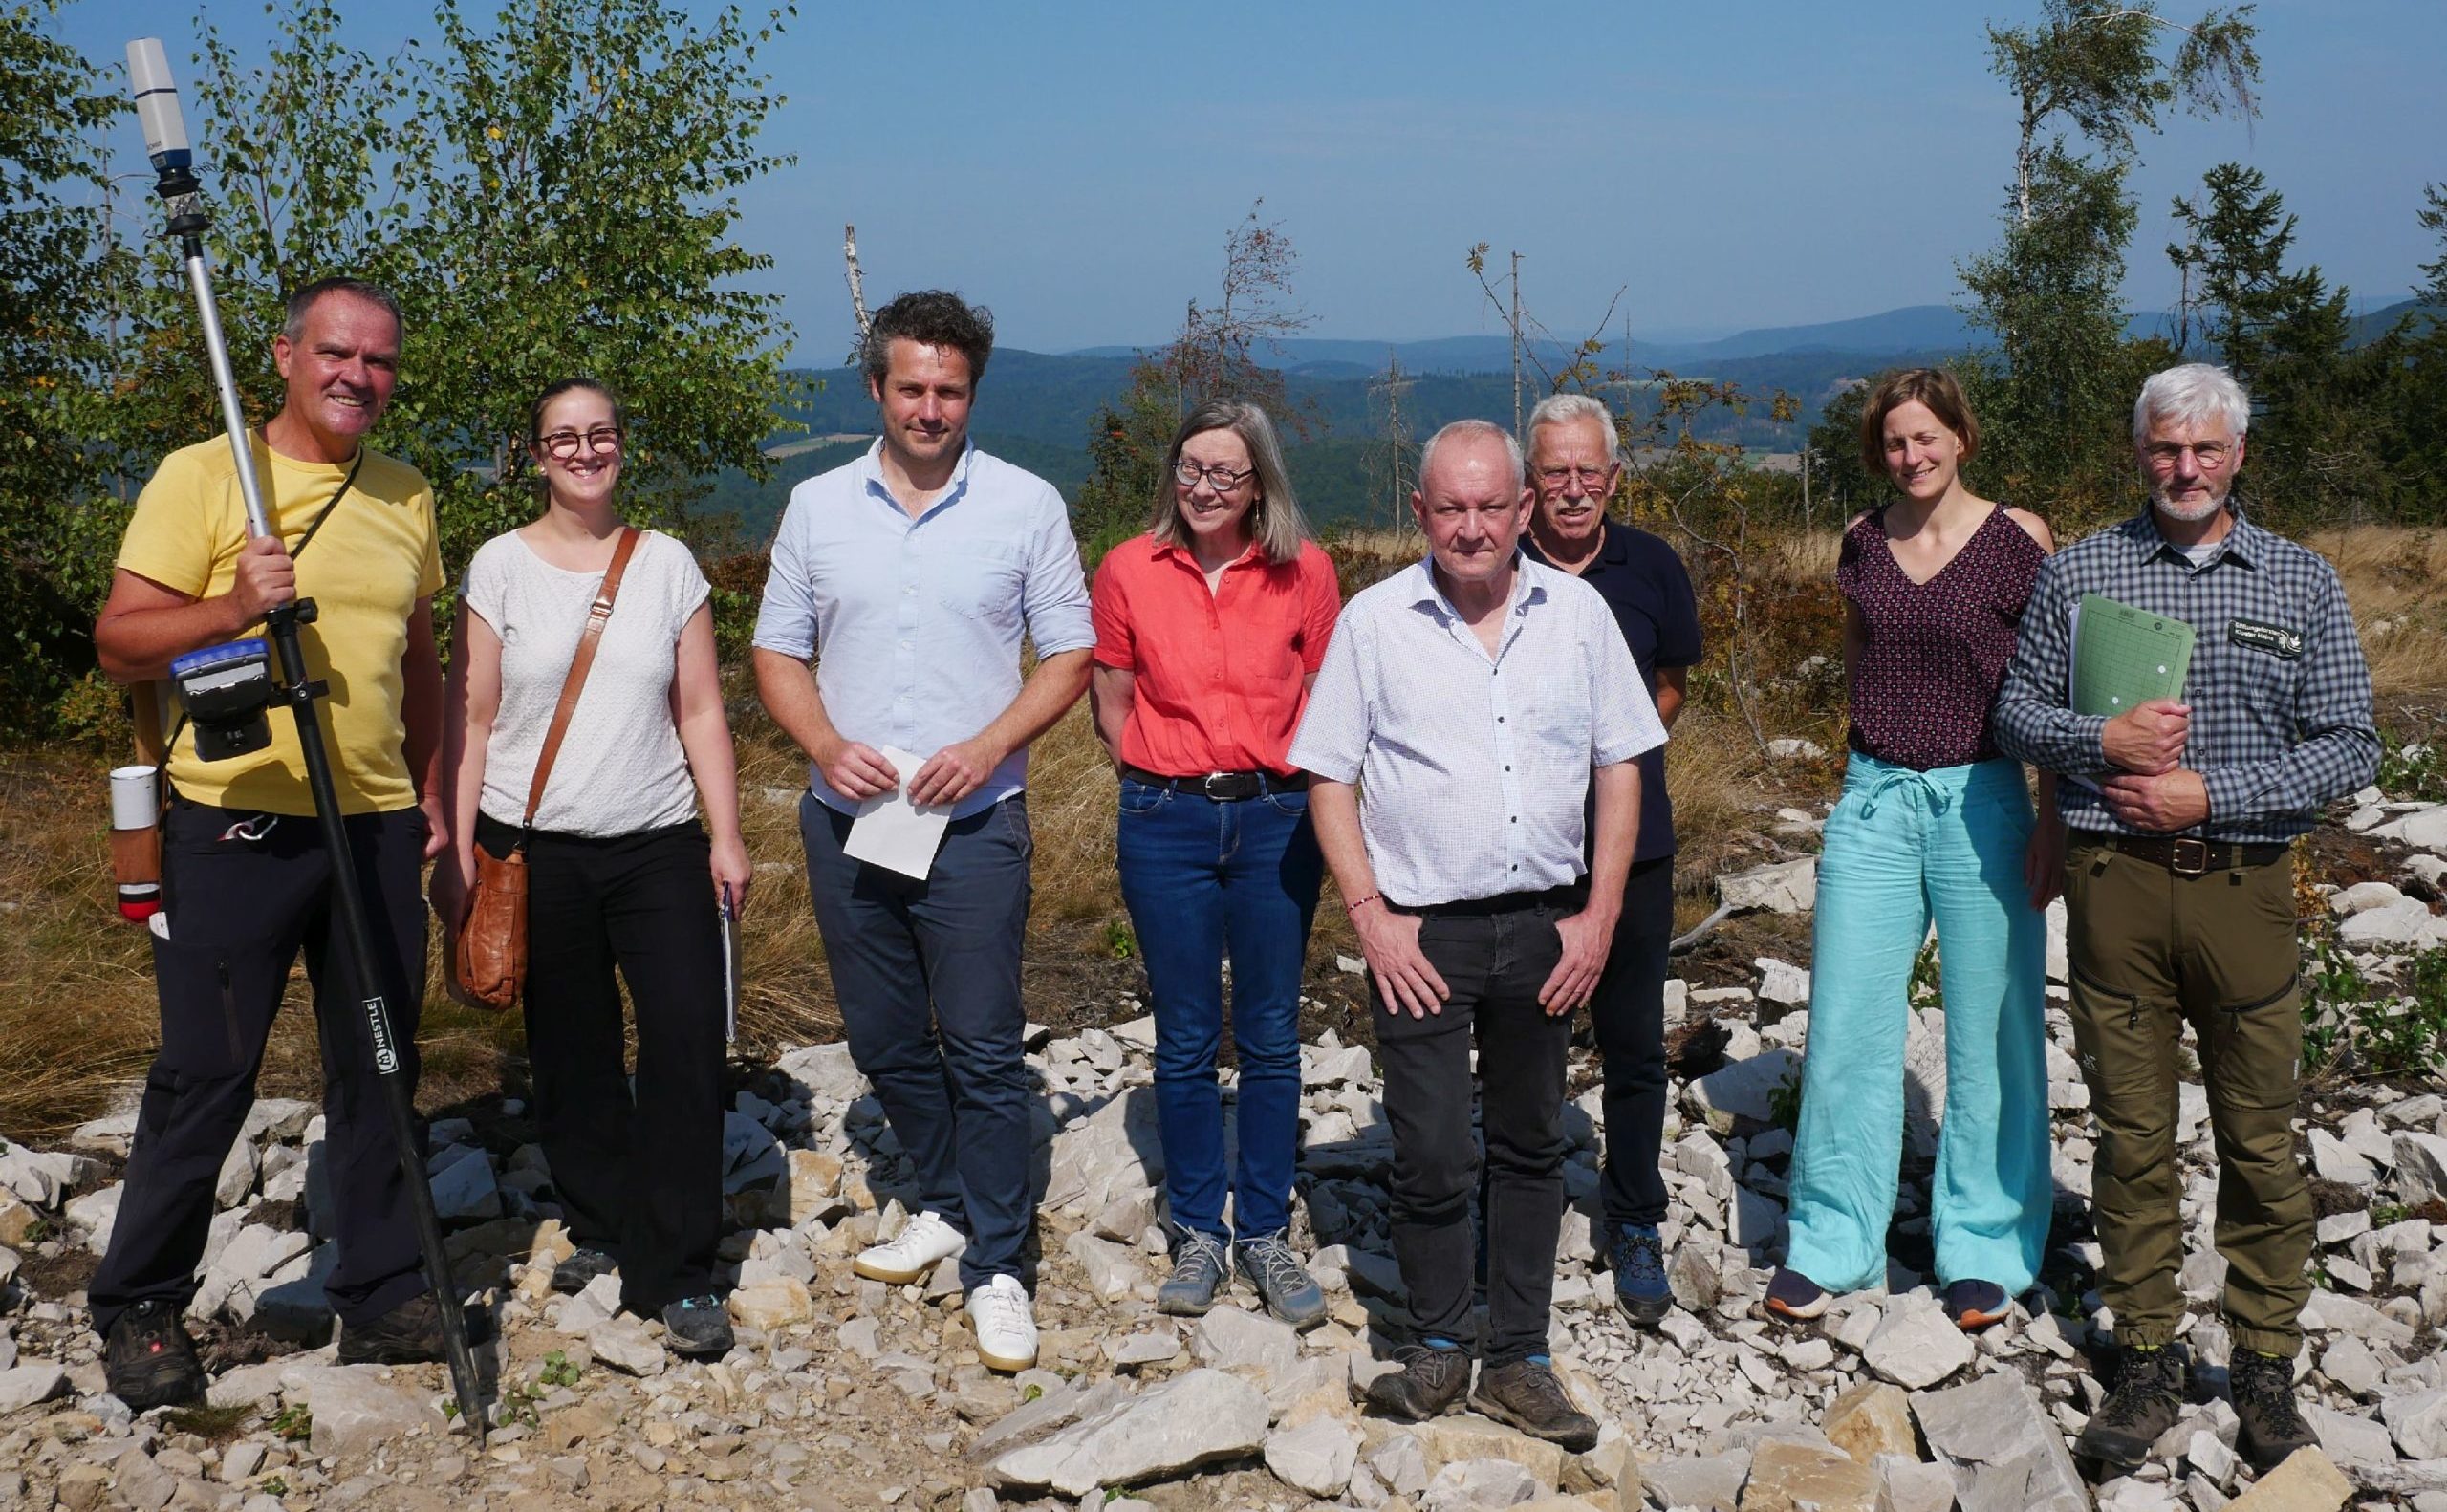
(2147, 1400)
(2270, 1426)
(1527, 1394)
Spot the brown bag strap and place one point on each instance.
(596, 614)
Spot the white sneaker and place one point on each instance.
(1004, 1323)
(924, 1243)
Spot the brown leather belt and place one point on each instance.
(2186, 855)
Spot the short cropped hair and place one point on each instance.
(303, 299)
(1934, 387)
(931, 318)
(2192, 393)
(1572, 409)
(1462, 428)
(1275, 521)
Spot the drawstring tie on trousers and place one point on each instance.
(1897, 776)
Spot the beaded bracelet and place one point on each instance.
(1356, 906)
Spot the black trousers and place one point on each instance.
(1628, 1014)
(1493, 964)
(640, 1177)
(239, 910)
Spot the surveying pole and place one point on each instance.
(166, 140)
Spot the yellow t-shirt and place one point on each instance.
(376, 556)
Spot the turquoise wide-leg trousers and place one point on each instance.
(1903, 847)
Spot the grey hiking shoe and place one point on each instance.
(1199, 1268)
(1281, 1283)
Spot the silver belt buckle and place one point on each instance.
(2192, 862)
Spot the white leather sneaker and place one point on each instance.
(924, 1243)
(1004, 1323)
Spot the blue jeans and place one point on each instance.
(928, 979)
(1904, 846)
(1200, 877)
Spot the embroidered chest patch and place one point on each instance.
(2275, 640)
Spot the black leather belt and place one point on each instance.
(2185, 856)
(1570, 896)
(1223, 787)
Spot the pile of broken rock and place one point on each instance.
(846, 1394)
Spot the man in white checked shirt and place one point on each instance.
(1473, 699)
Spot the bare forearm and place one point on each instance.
(1618, 818)
(1334, 810)
(420, 702)
(704, 735)
(139, 645)
(786, 687)
(1112, 692)
(1046, 697)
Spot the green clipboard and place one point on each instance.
(2124, 657)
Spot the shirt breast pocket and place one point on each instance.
(977, 579)
(1560, 715)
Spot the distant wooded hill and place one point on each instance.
(1034, 407)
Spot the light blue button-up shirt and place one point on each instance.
(919, 621)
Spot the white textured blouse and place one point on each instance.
(621, 768)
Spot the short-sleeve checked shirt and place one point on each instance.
(916, 624)
(1472, 769)
(2274, 735)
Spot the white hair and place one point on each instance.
(2195, 393)
(1465, 428)
(1572, 409)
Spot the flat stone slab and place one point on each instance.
(1191, 1421)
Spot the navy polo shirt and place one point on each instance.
(1643, 581)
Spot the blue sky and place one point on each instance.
(1076, 165)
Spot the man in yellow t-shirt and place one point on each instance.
(246, 880)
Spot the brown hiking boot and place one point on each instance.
(1526, 1395)
(1430, 1381)
(2270, 1426)
(2147, 1400)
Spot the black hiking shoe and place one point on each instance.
(2147, 1400)
(1527, 1394)
(409, 1334)
(2270, 1426)
(697, 1328)
(148, 1361)
(583, 1265)
(1430, 1381)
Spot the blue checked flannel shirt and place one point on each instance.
(2272, 737)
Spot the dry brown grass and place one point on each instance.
(77, 1019)
(2396, 581)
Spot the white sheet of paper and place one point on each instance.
(893, 832)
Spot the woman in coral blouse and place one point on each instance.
(1209, 630)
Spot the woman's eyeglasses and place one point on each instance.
(564, 443)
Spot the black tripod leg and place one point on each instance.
(359, 970)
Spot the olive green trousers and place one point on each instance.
(2151, 949)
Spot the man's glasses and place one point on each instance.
(564, 443)
(1558, 477)
(2211, 455)
(1221, 478)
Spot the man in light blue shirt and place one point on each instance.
(910, 576)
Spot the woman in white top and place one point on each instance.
(620, 875)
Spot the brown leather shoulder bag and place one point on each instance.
(490, 961)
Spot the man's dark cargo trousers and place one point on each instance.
(239, 910)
